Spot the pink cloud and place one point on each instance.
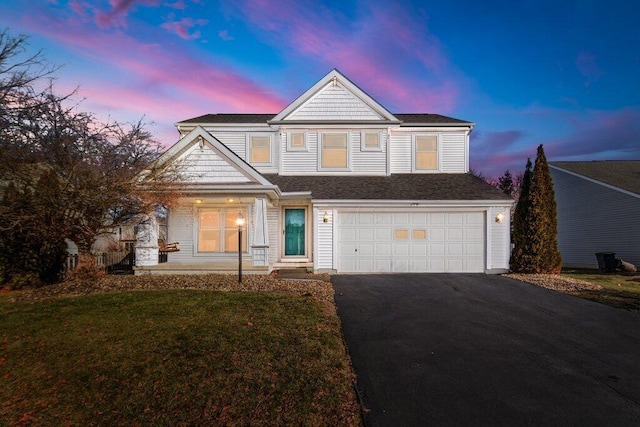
(224, 35)
(119, 10)
(166, 85)
(182, 27)
(382, 50)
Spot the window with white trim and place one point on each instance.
(297, 141)
(370, 141)
(334, 151)
(425, 152)
(260, 149)
(217, 230)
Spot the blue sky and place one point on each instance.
(563, 74)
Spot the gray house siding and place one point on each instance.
(595, 218)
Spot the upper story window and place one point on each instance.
(370, 141)
(260, 149)
(425, 153)
(217, 230)
(297, 141)
(334, 151)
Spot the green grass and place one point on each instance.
(619, 290)
(174, 358)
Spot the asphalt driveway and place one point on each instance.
(473, 349)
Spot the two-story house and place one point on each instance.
(334, 182)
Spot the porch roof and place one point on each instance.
(393, 187)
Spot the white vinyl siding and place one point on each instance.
(593, 218)
(370, 162)
(323, 254)
(301, 162)
(238, 142)
(400, 146)
(499, 238)
(273, 225)
(334, 102)
(453, 153)
(203, 165)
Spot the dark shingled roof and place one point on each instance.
(231, 118)
(624, 174)
(407, 119)
(413, 119)
(395, 187)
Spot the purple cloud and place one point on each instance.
(408, 69)
(119, 10)
(183, 27)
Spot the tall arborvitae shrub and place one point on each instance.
(521, 248)
(535, 223)
(543, 204)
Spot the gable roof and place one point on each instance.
(623, 174)
(231, 158)
(334, 88)
(432, 187)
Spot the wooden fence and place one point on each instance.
(112, 262)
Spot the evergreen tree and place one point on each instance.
(535, 222)
(521, 247)
(506, 184)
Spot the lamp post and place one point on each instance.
(240, 224)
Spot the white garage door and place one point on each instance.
(381, 242)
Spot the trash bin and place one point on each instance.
(607, 261)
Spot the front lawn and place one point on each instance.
(174, 357)
(618, 290)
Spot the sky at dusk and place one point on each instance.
(565, 74)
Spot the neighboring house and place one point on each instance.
(598, 210)
(333, 183)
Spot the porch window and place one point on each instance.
(334, 152)
(426, 152)
(217, 230)
(297, 141)
(260, 149)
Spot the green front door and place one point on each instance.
(294, 232)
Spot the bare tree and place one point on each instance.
(64, 172)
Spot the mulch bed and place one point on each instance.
(317, 286)
(555, 282)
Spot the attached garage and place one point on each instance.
(411, 241)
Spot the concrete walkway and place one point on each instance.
(466, 349)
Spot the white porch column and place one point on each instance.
(260, 241)
(147, 241)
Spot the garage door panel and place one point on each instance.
(419, 250)
(455, 234)
(384, 234)
(366, 234)
(411, 241)
(366, 249)
(436, 234)
(400, 249)
(436, 249)
(455, 249)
